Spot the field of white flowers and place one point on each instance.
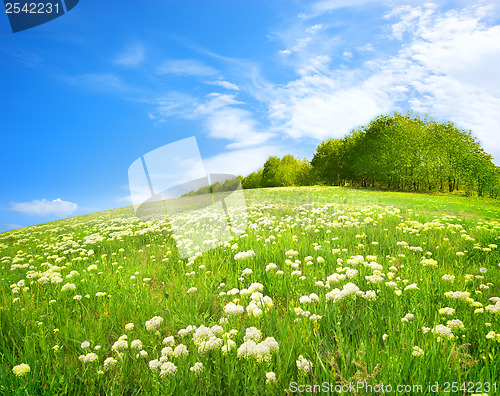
(325, 284)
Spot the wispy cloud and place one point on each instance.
(100, 82)
(224, 120)
(186, 67)
(225, 84)
(221, 117)
(324, 6)
(44, 207)
(132, 56)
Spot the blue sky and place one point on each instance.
(87, 94)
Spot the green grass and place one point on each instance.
(338, 230)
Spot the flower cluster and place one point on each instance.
(154, 323)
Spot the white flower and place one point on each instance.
(89, 358)
(154, 365)
(136, 344)
(385, 337)
(229, 346)
(21, 369)
(253, 334)
(413, 286)
(271, 378)
(188, 330)
(231, 309)
(109, 362)
(417, 351)
(370, 295)
(270, 267)
(181, 350)
(408, 318)
(255, 287)
(167, 369)
(455, 324)
(192, 290)
(247, 271)
(85, 344)
(429, 262)
(68, 287)
(495, 309)
(120, 345)
(443, 332)
(303, 364)
(446, 311)
(197, 368)
(169, 341)
(154, 323)
(245, 255)
(260, 352)
(459, 295)
(129, 326)
(349, 289)
(167, 351)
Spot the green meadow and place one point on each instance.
(327, 287)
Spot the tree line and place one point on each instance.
(396, 152)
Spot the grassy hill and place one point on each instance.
(326, 284)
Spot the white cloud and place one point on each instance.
(100, 82)
(186, 67)
(131, 57)
(313, 29)
(365, 48)
(225, 84)
(318, 106)
(347, 55)
(223, 120)
(44, 207)
(220, 116)
(174, 104)
(323, 6)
